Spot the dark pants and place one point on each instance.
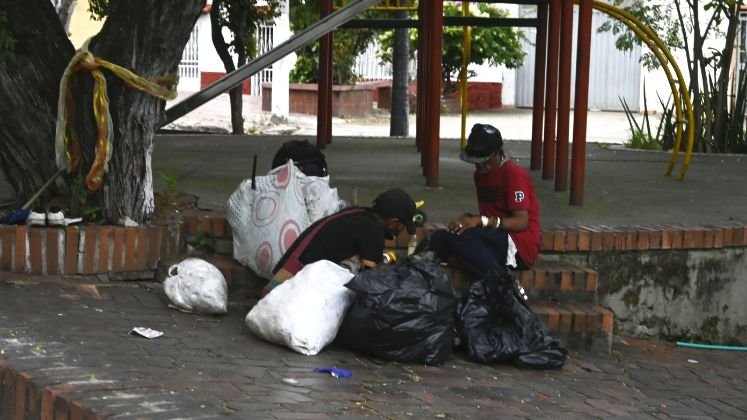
(477, 250)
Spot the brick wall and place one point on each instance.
(208, 77)
(481, 95)
(347, 101)
(87, 249)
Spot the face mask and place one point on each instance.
(389, 234)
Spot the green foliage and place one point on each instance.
(7, 41)
(83, 202)
(641, 135)
(99, 9)
(495, 46)
(347, 45)
(204, 242)
(166, 201)
(657, 16)
(171, 181)
(735, 138)
(718, 100)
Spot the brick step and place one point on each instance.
(546, 281)
(237, 276)
(581, 326)
(553, 281)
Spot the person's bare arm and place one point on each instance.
(516, 222)
(368, 264)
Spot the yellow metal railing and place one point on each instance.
(665, 59)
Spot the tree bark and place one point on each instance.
(236, 95)
(722, 87)
(29, 80)
(400, 107)
(146, 37)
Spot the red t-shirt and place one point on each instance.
(505, 189)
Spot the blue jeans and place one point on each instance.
(477, 250)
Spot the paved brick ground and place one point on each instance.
(71, 341)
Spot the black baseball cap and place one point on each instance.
(483, 142)
(398, 204)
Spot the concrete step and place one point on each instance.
(237, 276)
(559, 282)
(546, 281)
(581, 326)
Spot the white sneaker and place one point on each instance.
(55, 217)
(36, 218)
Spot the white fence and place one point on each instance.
(264, 44)
(189, 67)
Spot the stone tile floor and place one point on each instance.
(74, 338)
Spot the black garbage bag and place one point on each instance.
(403, 313)
(497, 325)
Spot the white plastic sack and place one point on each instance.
(305, 311)
(197, 286)
(320, 200)
(265, 221)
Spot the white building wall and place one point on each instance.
(500, 74)
(613, 74)
(209, 60)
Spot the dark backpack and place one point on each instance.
(307, 157)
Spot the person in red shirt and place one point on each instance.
(506, 233)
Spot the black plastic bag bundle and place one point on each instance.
(496, 325)
(403, 313)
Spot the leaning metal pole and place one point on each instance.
(233, 79)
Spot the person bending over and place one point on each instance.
(356, 233)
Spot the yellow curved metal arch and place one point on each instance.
(655, 49)
(630, 21)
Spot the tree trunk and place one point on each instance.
(144, 36)
(29, 80)
(147, 37)
(722, 104)
(236, 95)
(400, 106)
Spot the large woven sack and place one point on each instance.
(267, 219)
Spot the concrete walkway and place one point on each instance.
(623, 186)
(73, 340)
(66, 351)
(515, 124)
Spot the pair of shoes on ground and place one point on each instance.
(52, 217)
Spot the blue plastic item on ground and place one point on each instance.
(336, 372)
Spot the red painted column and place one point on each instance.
(324, 87)
(433, 104)
(583, 60)
(422, 75)
(551, 96)
(538, 103)
(564, 95)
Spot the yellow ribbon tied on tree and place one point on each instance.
(68, 154)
